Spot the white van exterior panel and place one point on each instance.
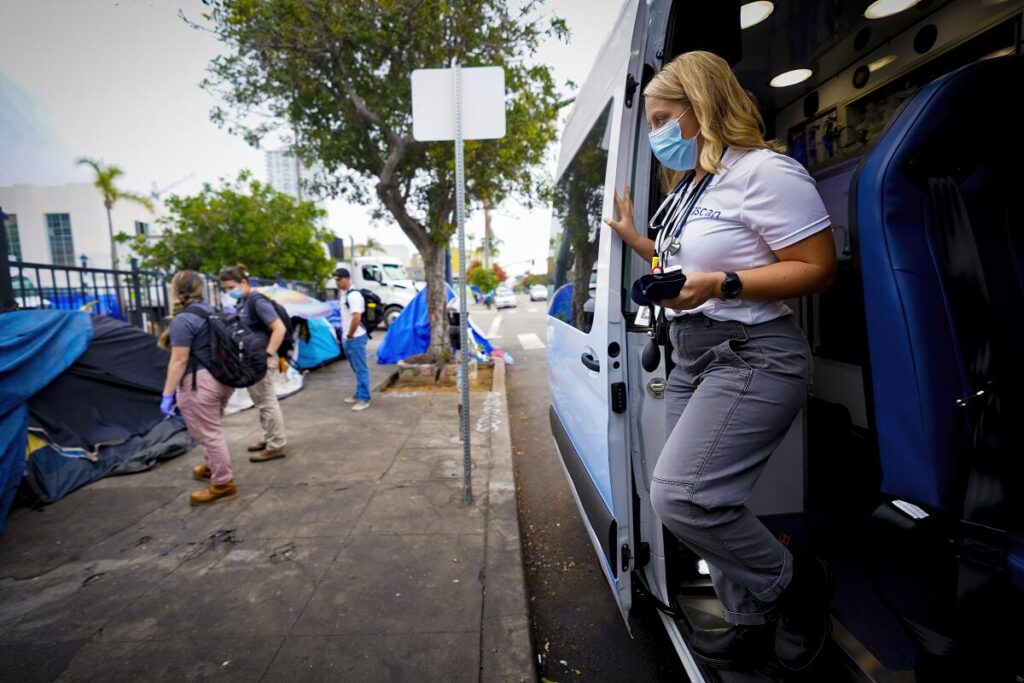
(608, 70)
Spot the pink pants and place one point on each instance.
(203, 410)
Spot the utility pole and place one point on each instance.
(487, 233)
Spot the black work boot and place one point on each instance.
(805, 620)
(736, 646)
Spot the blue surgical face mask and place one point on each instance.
(235, 294)
(671, 148)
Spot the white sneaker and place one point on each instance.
(351, 399)
(361, 405)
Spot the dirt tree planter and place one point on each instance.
(427, 375)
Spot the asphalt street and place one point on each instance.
(578, 630)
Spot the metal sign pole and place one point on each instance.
(460, 204)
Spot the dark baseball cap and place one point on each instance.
(342, 272)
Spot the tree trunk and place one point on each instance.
(113, 242)
(439, 350)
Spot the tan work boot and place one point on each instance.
(258, 446)
(269, 454)
(214, 494)
(201, 472)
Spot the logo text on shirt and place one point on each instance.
(704, 212)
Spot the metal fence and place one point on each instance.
(212, 290)
(139, 297)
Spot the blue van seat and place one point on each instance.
(938, 211)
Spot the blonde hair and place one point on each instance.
(727, 114)
(186, 289)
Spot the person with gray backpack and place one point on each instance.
(211, 355)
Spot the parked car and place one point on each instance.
(538, 293)
(505, 298)
(26, 293)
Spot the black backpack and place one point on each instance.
(288, 343)
(374, 313)
(234, 354)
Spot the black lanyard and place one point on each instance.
(671, 201)
(680, 222)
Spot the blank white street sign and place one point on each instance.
(483, 103)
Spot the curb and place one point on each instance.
(506, 644)
(384, 383)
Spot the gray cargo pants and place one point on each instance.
(730, 400)
(271, 420)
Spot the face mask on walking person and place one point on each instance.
(235, 294)
(671, 148)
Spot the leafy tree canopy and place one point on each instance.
(244, 221)
(335, 74)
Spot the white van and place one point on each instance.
(872, 475)
(386, 277)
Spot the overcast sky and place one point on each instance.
(118, 80)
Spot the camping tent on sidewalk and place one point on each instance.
(409, 335)
(35, 347)
(110, 394)
(88, 388)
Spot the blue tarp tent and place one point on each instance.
(322, 347)
(409, 335)
(35, 347)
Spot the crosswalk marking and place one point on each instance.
(530, 341)
(492, 331)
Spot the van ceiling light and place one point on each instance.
(702, 568)
(789, 78)
(881, 63)
(753, 13)
(1006, 51)
(886, 8)
(910, 509)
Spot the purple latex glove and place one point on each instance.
(167, 404)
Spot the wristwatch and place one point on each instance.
(731, 286)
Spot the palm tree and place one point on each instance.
(105, 177)
(369, 246)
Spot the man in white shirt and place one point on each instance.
(354, 337)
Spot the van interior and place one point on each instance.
(905, 469)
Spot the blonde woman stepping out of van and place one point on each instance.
(746, 226)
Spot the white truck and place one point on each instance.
(386, 277)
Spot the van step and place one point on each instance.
(844, 661)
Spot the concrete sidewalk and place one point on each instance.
(351, 559)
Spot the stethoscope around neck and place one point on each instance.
(668, 211)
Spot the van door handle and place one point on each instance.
(590, 362)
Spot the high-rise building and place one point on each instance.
(285, 175)
(282, 172)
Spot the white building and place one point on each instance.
(285, 174)
(58, 224)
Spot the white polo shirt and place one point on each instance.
(759, 202)
(354, 302)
